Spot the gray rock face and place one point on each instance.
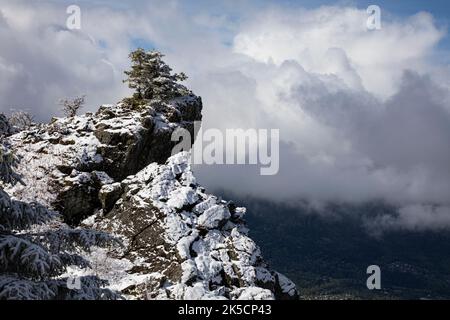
(190, 244)
(112, 170)
(108, 195)
(125, 152)
(116, 140)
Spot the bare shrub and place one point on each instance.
(70, 107)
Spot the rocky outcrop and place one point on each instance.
(113, 170)
(70, 159)
(192, 245)
(130, 141)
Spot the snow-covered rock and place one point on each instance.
(65, 163)
(112, 170)
(191, 241)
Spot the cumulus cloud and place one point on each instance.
(363, 115)
(335, 40)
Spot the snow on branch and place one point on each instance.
(16, 214)
(74, 239)
(8, 161)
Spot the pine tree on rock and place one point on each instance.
(33, 255)
(152, 78)
(136, 79)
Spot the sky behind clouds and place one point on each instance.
(363, 115)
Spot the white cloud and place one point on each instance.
(363, 115)
(336, 40)
(412, 217)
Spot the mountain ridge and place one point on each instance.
(112, 170)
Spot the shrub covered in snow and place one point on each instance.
(5, 126)
(8, 161)
(21, 120)
(34, 253)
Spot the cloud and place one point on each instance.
(43, 61)
(363, 115)
(413, 217)
(335, 40)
